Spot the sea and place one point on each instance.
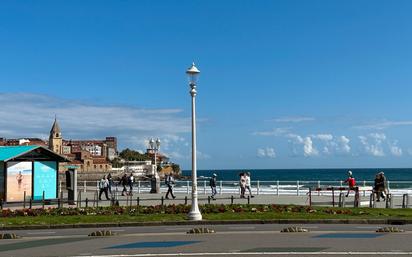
(305, 174)
(288, 180)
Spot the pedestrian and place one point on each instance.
(379, 186)
(242, 184)
(247, 184)
(169, 181)
(130, 181)
(351, 182)
(124, 182)
(104, 187)
(110, 179)
(212, 184)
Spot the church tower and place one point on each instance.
(55, 138)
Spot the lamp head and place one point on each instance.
(193, 74)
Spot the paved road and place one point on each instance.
(229, 240)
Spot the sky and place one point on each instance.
(283, 84)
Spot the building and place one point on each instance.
(87, 155)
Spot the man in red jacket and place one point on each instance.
(351, 182)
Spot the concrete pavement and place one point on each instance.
(237, 240)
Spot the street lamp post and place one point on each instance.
(154, 146)
(194, 213)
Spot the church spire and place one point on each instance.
(55, 128)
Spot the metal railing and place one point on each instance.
(277, 187)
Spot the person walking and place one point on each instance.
(212, 184)
(247, 184)
(351, 182)
(130, 182)
(379, 186)
(104, 187)
(169, 181)
(124, 182)
(110, 179)
(242, 184)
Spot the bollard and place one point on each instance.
(58, 203)
(341, 197)
(42, 200)
(310, 196)
(231, 199)
(220, 188)
(372, 203)
(138, 187)
(388, 201)
(138, 202)
(24, 200)
(162, 200)
(333, 197)
(30, 203)
(87, 202)
(84, 186)
(208, 199)
(61, 197)
(185, 200)
(258, 187)
(357, 198)
(248, 199)
(405, 201)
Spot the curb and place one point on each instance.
(214, 222)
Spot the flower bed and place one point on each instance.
(171, 209)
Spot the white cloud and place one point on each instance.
(384, 125)
(293, 119)
(395, 149)
(327, 143)
(31, 115)
(267, 152)
(304, 145)
(373, 144)
(273, 132)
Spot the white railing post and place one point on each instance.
(258, 187)
(204, 187)
(364, 185)
(297, 188)
(187, 187)
(319, 187)
(97, 185)
(388, 186)
(60, 186)
(138, 187)
(341, 183)
(85, 186)
(221, 187)
(277, 188)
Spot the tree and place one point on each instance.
(131, 155)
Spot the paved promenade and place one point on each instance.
(182, 198)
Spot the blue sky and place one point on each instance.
(284, 84)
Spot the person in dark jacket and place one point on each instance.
(169, 181)
(212, 184)
(379, 186)
(124, 182)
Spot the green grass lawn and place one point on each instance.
(248, 214)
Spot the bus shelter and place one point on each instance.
(28, 172)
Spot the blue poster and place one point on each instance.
(45, 176)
